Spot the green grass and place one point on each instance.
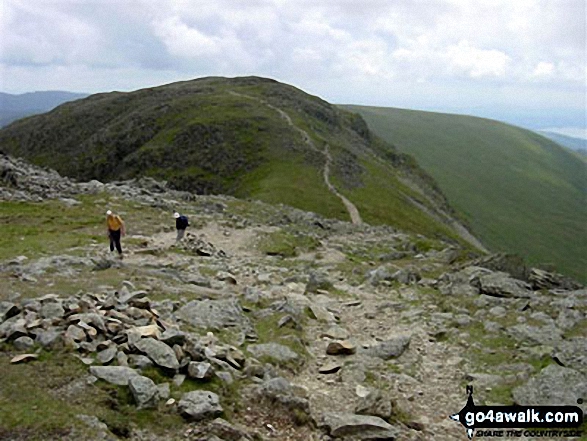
(519, 191)
(39, 402)
(286, 244)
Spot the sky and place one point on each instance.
(519, 61)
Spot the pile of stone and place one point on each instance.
(196, 245)
(121, 333)
(21, 181)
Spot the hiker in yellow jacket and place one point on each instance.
(116, 229)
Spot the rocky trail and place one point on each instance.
(265, 322)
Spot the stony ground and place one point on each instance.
(263, 323)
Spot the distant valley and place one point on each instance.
(520, 191)
(14, 107)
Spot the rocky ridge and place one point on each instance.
(271, 323)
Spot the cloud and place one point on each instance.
(475, 62)
(340, 49)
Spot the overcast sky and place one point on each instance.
(521, 61)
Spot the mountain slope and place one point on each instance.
(518, 190)
(248, 137)
(13, 107)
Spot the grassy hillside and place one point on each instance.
(248, 137)
(518, 190)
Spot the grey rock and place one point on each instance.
(200, 370)
(107, 355)
(336, 333)
(225, 377)
(139, 361)
(318, 280)
(200, 405)
(226, 431)
(376, 403)
(13, 328)
(502, 285)
(159, 352)
(121, 358)
(75, 333)
(358, 427)
(52, 310)
(569, 318)
(118, 375)
(173, 337)
(23, 343)
(342, 347)
(572, 353)
(144, 391)
(163, 391)
(8, 310)
(126, 296)
(280, 391)
(274, 351)
(48, 338)
(215, 315)
(498, 311)
(391, 348)
(553, 386)
(548, 335)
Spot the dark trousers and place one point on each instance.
(115, 240)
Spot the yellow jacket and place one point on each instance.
(114, 222)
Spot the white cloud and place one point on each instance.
(543, 69)
(476, 63)
(340, 49)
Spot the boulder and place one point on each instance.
(342, 347)
(350, 426)
(391, 348)
(200, 370)
(200, 405)
(144, 391)
(502, 285)
(23, 343)
(274, 351)
(7, 310)
(118, 375)
(280, 391)
(554, 386)
(376, 403)
(161, 354)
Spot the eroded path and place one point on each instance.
(351, 208)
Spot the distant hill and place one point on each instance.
(248, 137)
(577, 144)
(13, 107)
(518, 190)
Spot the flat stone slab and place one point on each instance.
(391, 348)
(358, 427)
(215, 315)
(119, 375)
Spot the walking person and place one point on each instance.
(116, 229)
(181, 223)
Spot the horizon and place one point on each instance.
(572, 132)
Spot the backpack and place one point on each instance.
(184, 220)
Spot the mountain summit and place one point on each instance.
(246, 137)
